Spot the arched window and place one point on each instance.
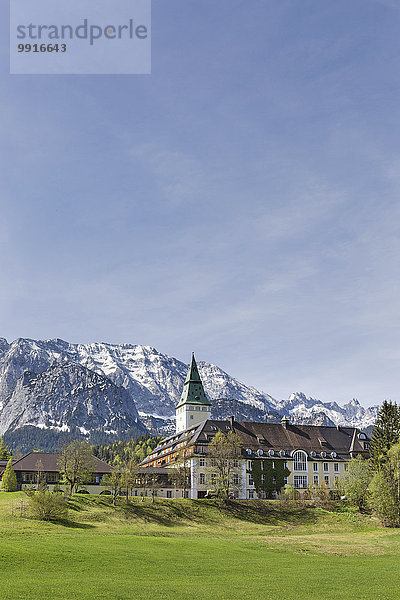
(300, 461)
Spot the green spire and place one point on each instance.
(193, 391)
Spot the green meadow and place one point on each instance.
(196, 550)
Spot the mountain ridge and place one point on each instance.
(146, 381)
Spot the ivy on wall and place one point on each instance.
(269, 476)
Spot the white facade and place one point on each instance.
(188, 415)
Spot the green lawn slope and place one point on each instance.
(183, 549)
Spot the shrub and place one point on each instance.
(47, 506)
(290, 493)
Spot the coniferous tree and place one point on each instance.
(5, 454)
(9, 480)
(386, 432)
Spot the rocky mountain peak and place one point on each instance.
(109, 387)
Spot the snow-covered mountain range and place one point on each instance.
(120, 388)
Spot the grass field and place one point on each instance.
(195, 550)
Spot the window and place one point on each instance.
(316, 480)
(191, 416)
(251, 482)
(300, 481)
(274, 479)
(251, 495)
(285, 479)
(300, 461)
(326, 467)
(202, 462)
(273, 465)
(326, 479)
(262, 465)
(262, 479)
(186, 494)
(336, 467)
(213, 478)
(202, 479)
(336, 479)
(285, 464)
(235, 479)
(315, 467)
(235, 464)
(169, 494)
(346, 466)
(250, 465)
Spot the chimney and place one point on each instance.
(285, 422)
(232, 422)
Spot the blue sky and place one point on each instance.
(242, 201)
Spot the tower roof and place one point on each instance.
(193, 391)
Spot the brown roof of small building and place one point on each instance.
(49, 463)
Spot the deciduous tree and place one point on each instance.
(180, 474)
(355, 482)
(76, 463)
(385, 489)
(224, 471)
(114, 482)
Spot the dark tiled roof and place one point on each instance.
(49, 460)
(270, 436)
(305, 437)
